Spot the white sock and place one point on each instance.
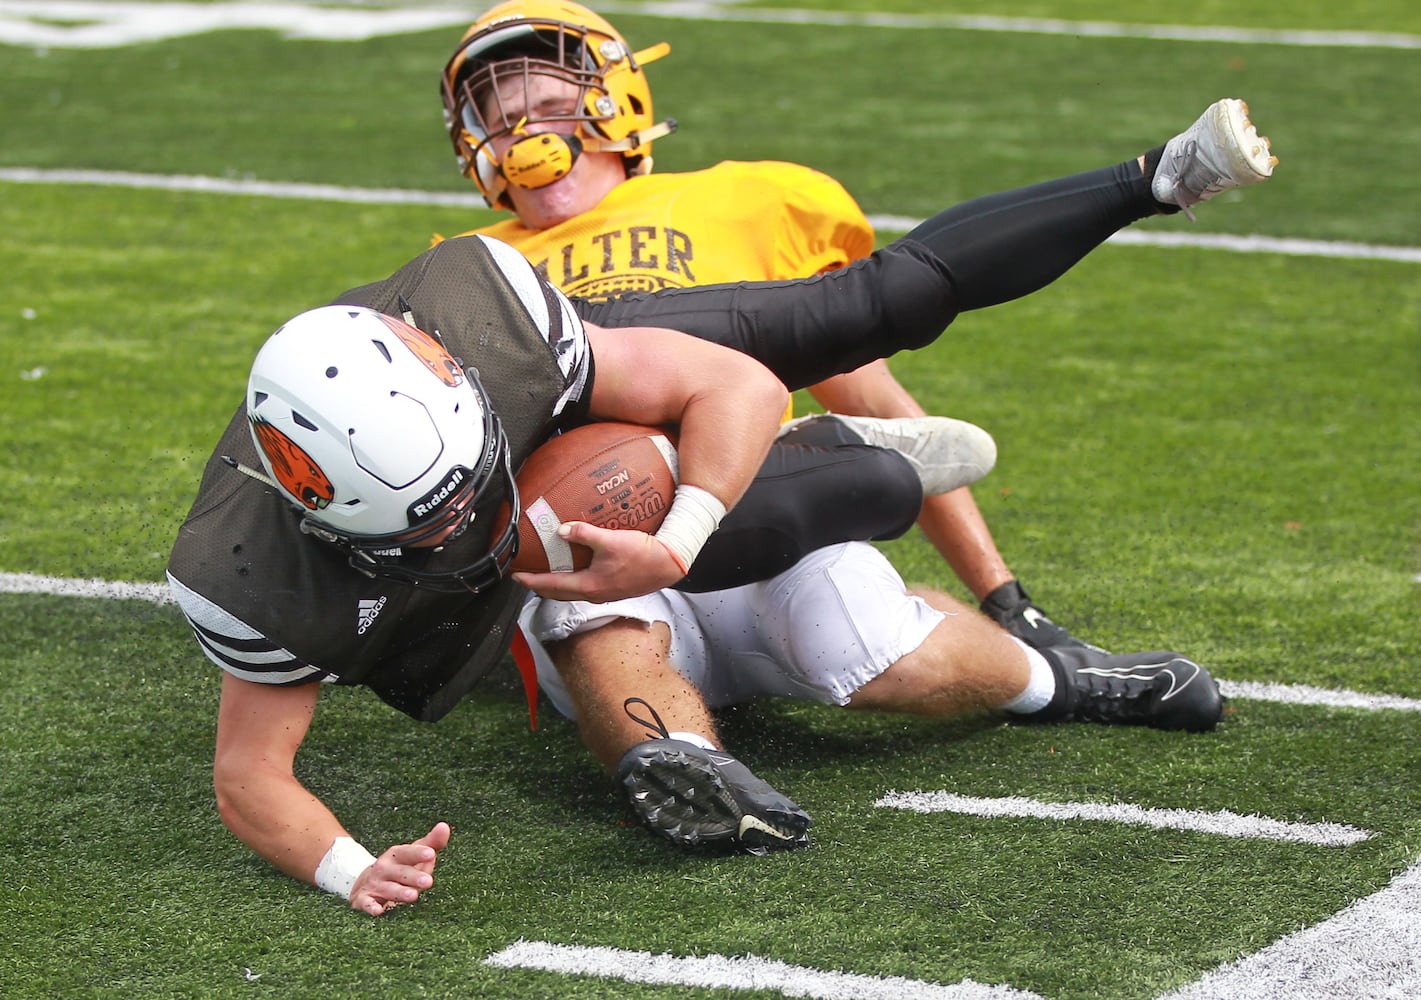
(693, 738)
(1040, 686)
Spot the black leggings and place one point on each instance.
(819, 485)
(974, 255)
(977, 254)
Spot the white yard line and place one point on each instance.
(227, 185)
(692, 10)
(1289, 694)
(886, 223)
(1369, 951)
(1302, 694)
(88, 24)
(745, 972)
(29, 583)
(1222, 823)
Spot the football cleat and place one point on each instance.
(1219, 152)
(696, 797)
(1011, 607)
(1159, 689)
(945, 453)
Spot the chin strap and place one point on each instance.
(542, 158)
(248, 471)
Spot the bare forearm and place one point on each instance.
(726, 404)
(259, 730)
(724, 441)
(279, 819)
(727, 407)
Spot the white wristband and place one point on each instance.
(341, 866)
(694, 514)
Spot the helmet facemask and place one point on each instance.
(499, 56)
(550, 153)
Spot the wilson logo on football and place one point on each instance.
(295, 470)
(427, 349)
(633, 515)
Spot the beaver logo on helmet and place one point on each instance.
(427, 349)
(295, 470)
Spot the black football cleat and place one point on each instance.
(1010, 606)
(696, 797)
(1158, 689)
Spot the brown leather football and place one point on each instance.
(613, 475)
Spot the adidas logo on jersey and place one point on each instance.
(365, 614)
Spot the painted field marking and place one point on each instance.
(1286, 246)
(695, 10)
(745, 972)
(1369, 951)
(885, 223)
(1303, 694)
(30, 583)
(1287, 694)
(1222, 823)
(86, 24)
(225, 185)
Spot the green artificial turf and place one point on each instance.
(1199, 449)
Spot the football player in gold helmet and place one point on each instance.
(550, 113)
(551, 116)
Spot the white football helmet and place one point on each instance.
(380, 439)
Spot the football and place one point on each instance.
(613, 475)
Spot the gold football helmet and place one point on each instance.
(523, 38)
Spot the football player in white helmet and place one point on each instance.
(351, 396)
(286, 586)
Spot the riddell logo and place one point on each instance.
(365, 614)
(423, 508)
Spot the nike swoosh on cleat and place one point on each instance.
(1176, 684)
(748, 822)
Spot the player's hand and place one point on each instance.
(625, 563)
(400, 874)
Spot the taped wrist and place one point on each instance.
(694, 514)
(341, 866)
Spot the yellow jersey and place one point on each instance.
(735, 221)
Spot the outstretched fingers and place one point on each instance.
(400, 874)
